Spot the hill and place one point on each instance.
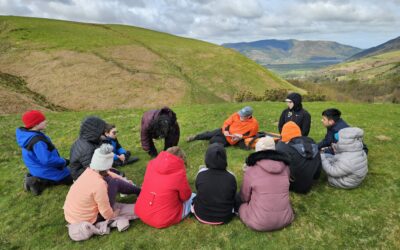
(292, 51)
(82, 66)
(389, 46)
(327, 218)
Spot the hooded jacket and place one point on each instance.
(297, 114)
(43, 159)
(82, 149)
(146, 135)
(164, 190)
(305, 162)
(216, 187)
(234, 125)
(265, 192)
(349, 166)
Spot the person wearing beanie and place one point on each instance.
(305, 160)
(166, 195)
(296, 113)
(46, 166)
(216, 188)
(90, 138)
(238, 127)
(265, 189)
(92, 196)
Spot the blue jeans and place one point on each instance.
(187, 205)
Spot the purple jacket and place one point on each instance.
(265, 192)
(147, 135)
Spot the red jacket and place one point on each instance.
(165, 188)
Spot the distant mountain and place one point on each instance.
(292, 51)
(392, 45)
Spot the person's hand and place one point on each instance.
(237, 137)
(116, 212)
(121, 157)
(226, 133)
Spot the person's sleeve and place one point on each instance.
(172, 138)
(228, 122)
(305, 126)
(46, 157)
(333, 167)
(103, 203)
(184, 189)
(144, 136)
(245, 192)
(281, 122)
(327, 141)
(120, 149)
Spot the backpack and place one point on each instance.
(38, 138)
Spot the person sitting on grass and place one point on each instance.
(296, 113)
(46, 166)
(121, 156)
(166, 196)
(236, 128)
(305, 161)
(92, 197)
(216, 188)
(265, 190)
(333, 124)
(349, 166)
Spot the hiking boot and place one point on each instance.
(33, 184)
(191, 138)
(132, 160)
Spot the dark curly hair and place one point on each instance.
(161, 126)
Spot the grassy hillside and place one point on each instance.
(91, 66)
(389, 46)
(326, 218)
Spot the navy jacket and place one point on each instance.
(43, 160)
(330, 135)
(118, 149)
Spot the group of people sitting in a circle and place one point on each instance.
(281, 162)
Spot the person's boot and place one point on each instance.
(33, 184)
(132, 160)
(191, 138)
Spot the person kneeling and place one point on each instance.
(91, 199)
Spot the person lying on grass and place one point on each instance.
(236, 128)
(166, 196)
(92, 197)
(46, 166)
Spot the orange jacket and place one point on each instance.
(234, 125)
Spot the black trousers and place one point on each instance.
(216, 135)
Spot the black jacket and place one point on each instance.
(305, 163)
(330, 135)
(297, 114)
(216, 187)
(82, 150)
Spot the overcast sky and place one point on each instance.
(361, 23)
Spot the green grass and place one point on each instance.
(366, 217)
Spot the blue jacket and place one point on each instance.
(332, 135)
(118, 149)
(40, 161)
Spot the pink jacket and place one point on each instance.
(87, 198)
(265, 192)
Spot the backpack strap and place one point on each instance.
(38, 138)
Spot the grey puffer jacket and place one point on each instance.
(349, 166)
(89, 139)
